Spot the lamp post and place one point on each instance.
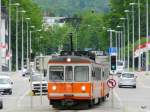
(121, 41)
(116, 35)
(22, 54)
(133, 66)
(127, 16)
(124, 37)
(30, 50)
(27, 60)
(17, 5)
(110, 30)
(0, 40)
(139, 21)
(10, 60)
(147, 28)
(121, 45)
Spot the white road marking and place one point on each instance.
(118, 98)
(21, 98)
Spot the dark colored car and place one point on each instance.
(1, 102)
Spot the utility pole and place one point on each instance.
(127, 16)
(147, 28)
(133, 66)
(27, 60)
(10, 60)
(139, 12)
(0, 39)
(22, 53)
(17, 37)
(71, 42)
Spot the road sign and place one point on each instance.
(111, 83)
(112, 51)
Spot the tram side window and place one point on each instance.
(69, 73)
(97, 74)
(106, 73)
(103, 74)
(56, 73)
(81, 73)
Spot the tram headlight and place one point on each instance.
(68, 59)
(54, 88)
(83, 88)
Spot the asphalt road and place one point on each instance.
(124, 99)
(135, 100)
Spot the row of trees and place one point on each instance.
(117, 11)
(87, 27)
(34, 13)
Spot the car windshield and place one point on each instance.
(36, 78)
(120, 63)
(56, 73)
(128, 75)
(4, 81)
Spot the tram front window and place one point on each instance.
(56, 73)
(69, 73)
(81, 73)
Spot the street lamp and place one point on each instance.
(30, 50)
(22, 54)
(10, 60)
(14, 4)
(117, 43)
(32, 31)
(27, 60)
(110, 30)
(124, 36)
(133, 66)
(139, 21)
(0, 40)
(147, 28)
(17, 5)
(120, 43)
(127, 16)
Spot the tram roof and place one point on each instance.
(70, 59)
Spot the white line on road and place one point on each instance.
(118, 98)
(21, 98)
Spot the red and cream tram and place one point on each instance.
(76, 80)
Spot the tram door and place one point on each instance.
(69, 79)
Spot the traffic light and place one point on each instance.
(113, 62)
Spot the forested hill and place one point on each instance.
(70, 7)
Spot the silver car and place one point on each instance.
(5, 85)
(127, 79)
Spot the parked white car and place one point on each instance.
(127, 79)
(38, 81)
(5, 85)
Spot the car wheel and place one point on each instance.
(33, 93)
(134, 86)
(10, 92)
(1, 105)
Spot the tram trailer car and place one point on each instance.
(75, 80)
